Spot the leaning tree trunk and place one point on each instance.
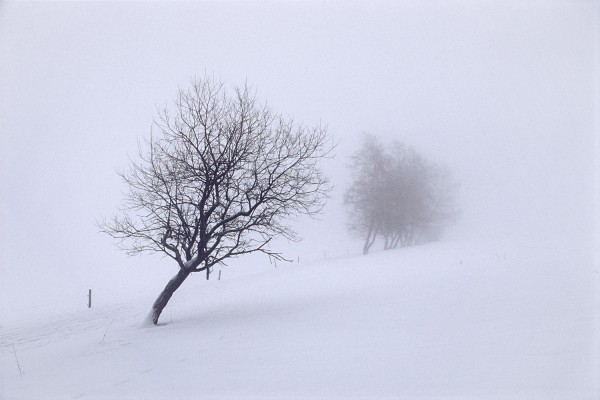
(370, 239)
(165, 295)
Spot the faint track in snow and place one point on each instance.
(56, 328)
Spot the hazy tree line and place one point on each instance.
(221, 173)
(398, 196)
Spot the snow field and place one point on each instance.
(454, 320)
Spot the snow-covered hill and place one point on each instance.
(454, 320)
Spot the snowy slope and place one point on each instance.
(455, 320)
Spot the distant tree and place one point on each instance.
(219, 181)
(397, 195)
(364, 196)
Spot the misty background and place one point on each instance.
(505, 94)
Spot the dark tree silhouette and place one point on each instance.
(219, 181)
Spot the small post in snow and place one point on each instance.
(90, 298)
(219, 274)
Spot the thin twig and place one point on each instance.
(109, 325)
(18, 365)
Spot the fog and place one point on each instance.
(503, 93)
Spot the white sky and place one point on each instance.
(505, 93)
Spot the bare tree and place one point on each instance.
(364, 196)
(408, 214)
(397, 195)
(218, 182)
